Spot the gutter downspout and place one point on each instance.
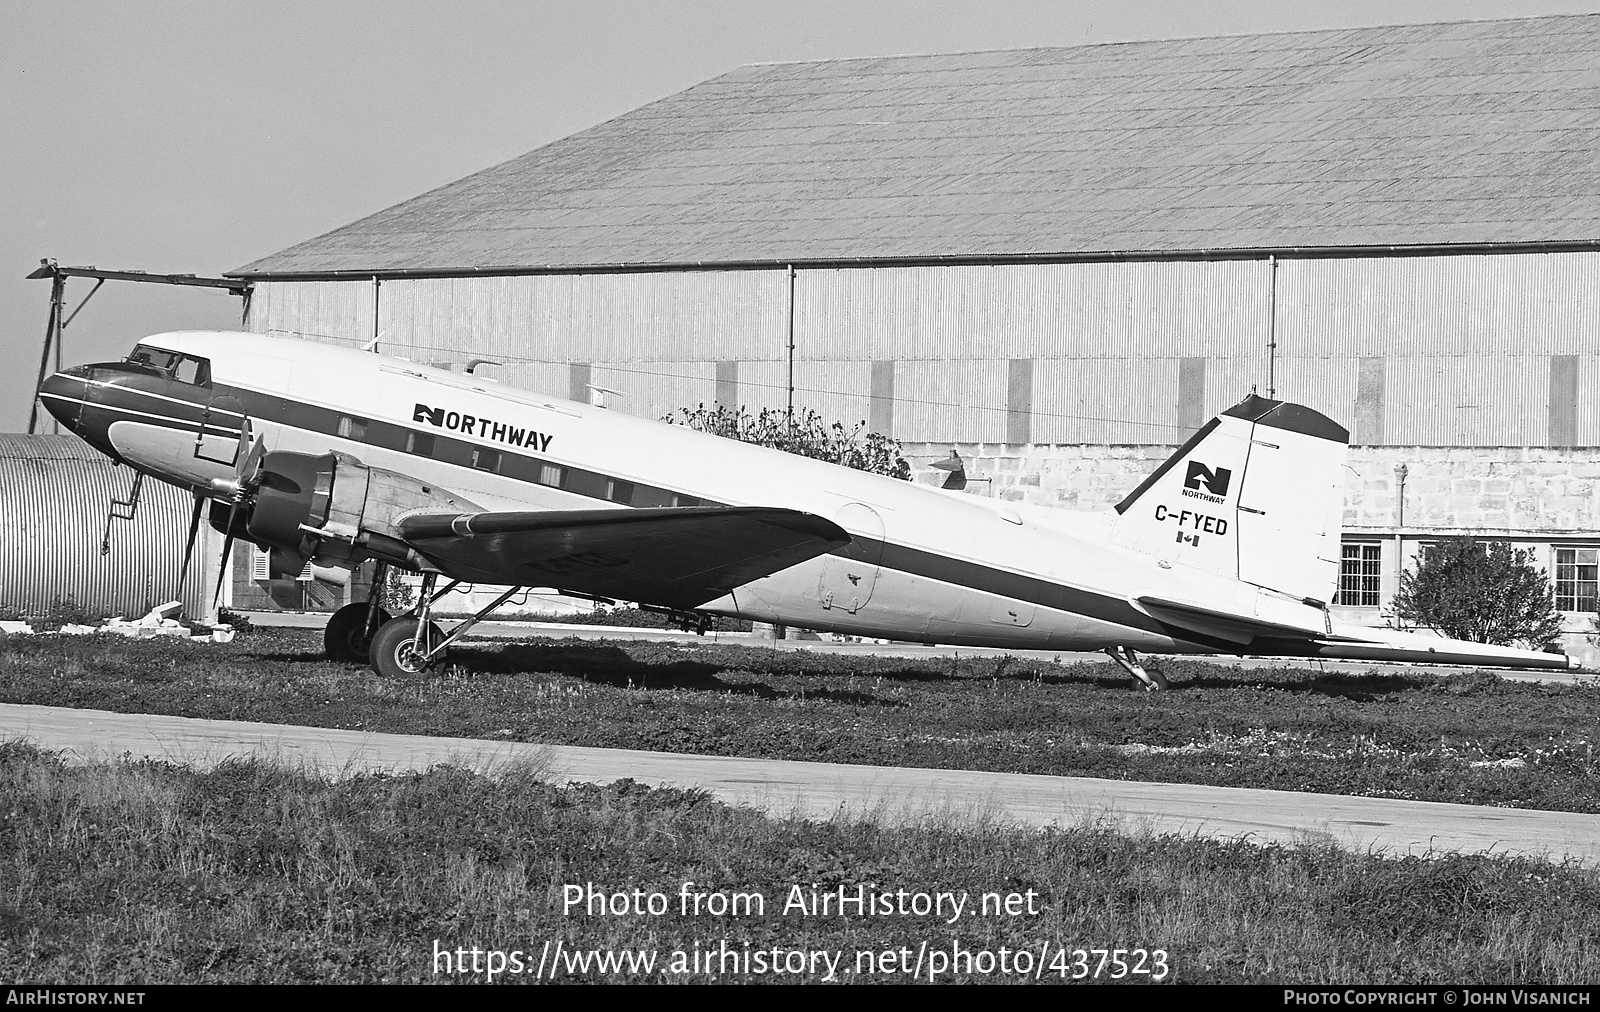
(1400, 473)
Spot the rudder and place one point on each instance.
(1255, 495)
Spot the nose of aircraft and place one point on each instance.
(63, 395)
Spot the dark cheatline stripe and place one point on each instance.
(482, 455)
(1032, 589)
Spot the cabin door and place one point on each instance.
(217, 438)
(849, 575)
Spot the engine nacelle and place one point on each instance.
(294, 493)
(336, 511)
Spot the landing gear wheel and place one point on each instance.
(345, 638)
(1127, 660)
(393, 652)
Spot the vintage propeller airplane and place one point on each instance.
(333, 456)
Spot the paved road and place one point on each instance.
(526, 630)
(815, 790)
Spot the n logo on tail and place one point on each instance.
(1216, 482)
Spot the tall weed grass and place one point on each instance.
(139, 872)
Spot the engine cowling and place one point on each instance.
(294, 493)
(333, 510)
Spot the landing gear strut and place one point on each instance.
(348, 636)
(1129, 662)
(412, 643)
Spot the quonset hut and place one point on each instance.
(1060, 261)
(55, 496)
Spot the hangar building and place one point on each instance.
(1061, 261)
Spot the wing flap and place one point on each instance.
(679, 557)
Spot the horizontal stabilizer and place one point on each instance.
(1318, 637)
(678, 557)
(1222, 625)
(1359, 643)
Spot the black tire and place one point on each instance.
(392, 653)
(345, 638)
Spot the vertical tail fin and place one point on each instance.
(1256, 495)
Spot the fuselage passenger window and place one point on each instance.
(486, 460)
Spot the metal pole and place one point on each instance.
(1400, 473)
(789, 406)
(52, 335)
(74, 314)
(1272, 330)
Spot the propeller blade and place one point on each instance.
(222, 570)
(251, 465)
(227, 546)
(188, 549)
(248, 469)
(244, 444)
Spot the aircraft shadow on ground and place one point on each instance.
(298, 657)
(610, 665)
(1360, 689)
(605, 664)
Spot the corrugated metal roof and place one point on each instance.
(19, 446)
(1464, 133)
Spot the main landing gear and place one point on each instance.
(351, 628)
(410, 644)
(1129, 662)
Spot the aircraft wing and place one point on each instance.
(678, 557)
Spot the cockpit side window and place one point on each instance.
(172, 364)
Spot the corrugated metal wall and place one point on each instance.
(334, 311)
(1458, 348)
(54, 492)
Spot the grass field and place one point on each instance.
(143, 872)
(1468, 738)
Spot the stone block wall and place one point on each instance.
(1537, 497)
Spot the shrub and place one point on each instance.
(396, 596)
(1486, 592)
(805, 433)
(237, 620)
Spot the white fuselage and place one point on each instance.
(953, 568)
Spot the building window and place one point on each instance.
(1577, 576)
(1359, 575)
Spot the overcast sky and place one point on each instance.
(196, 137)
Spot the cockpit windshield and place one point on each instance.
(172, 364)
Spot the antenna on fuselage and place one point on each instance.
(598, 395)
